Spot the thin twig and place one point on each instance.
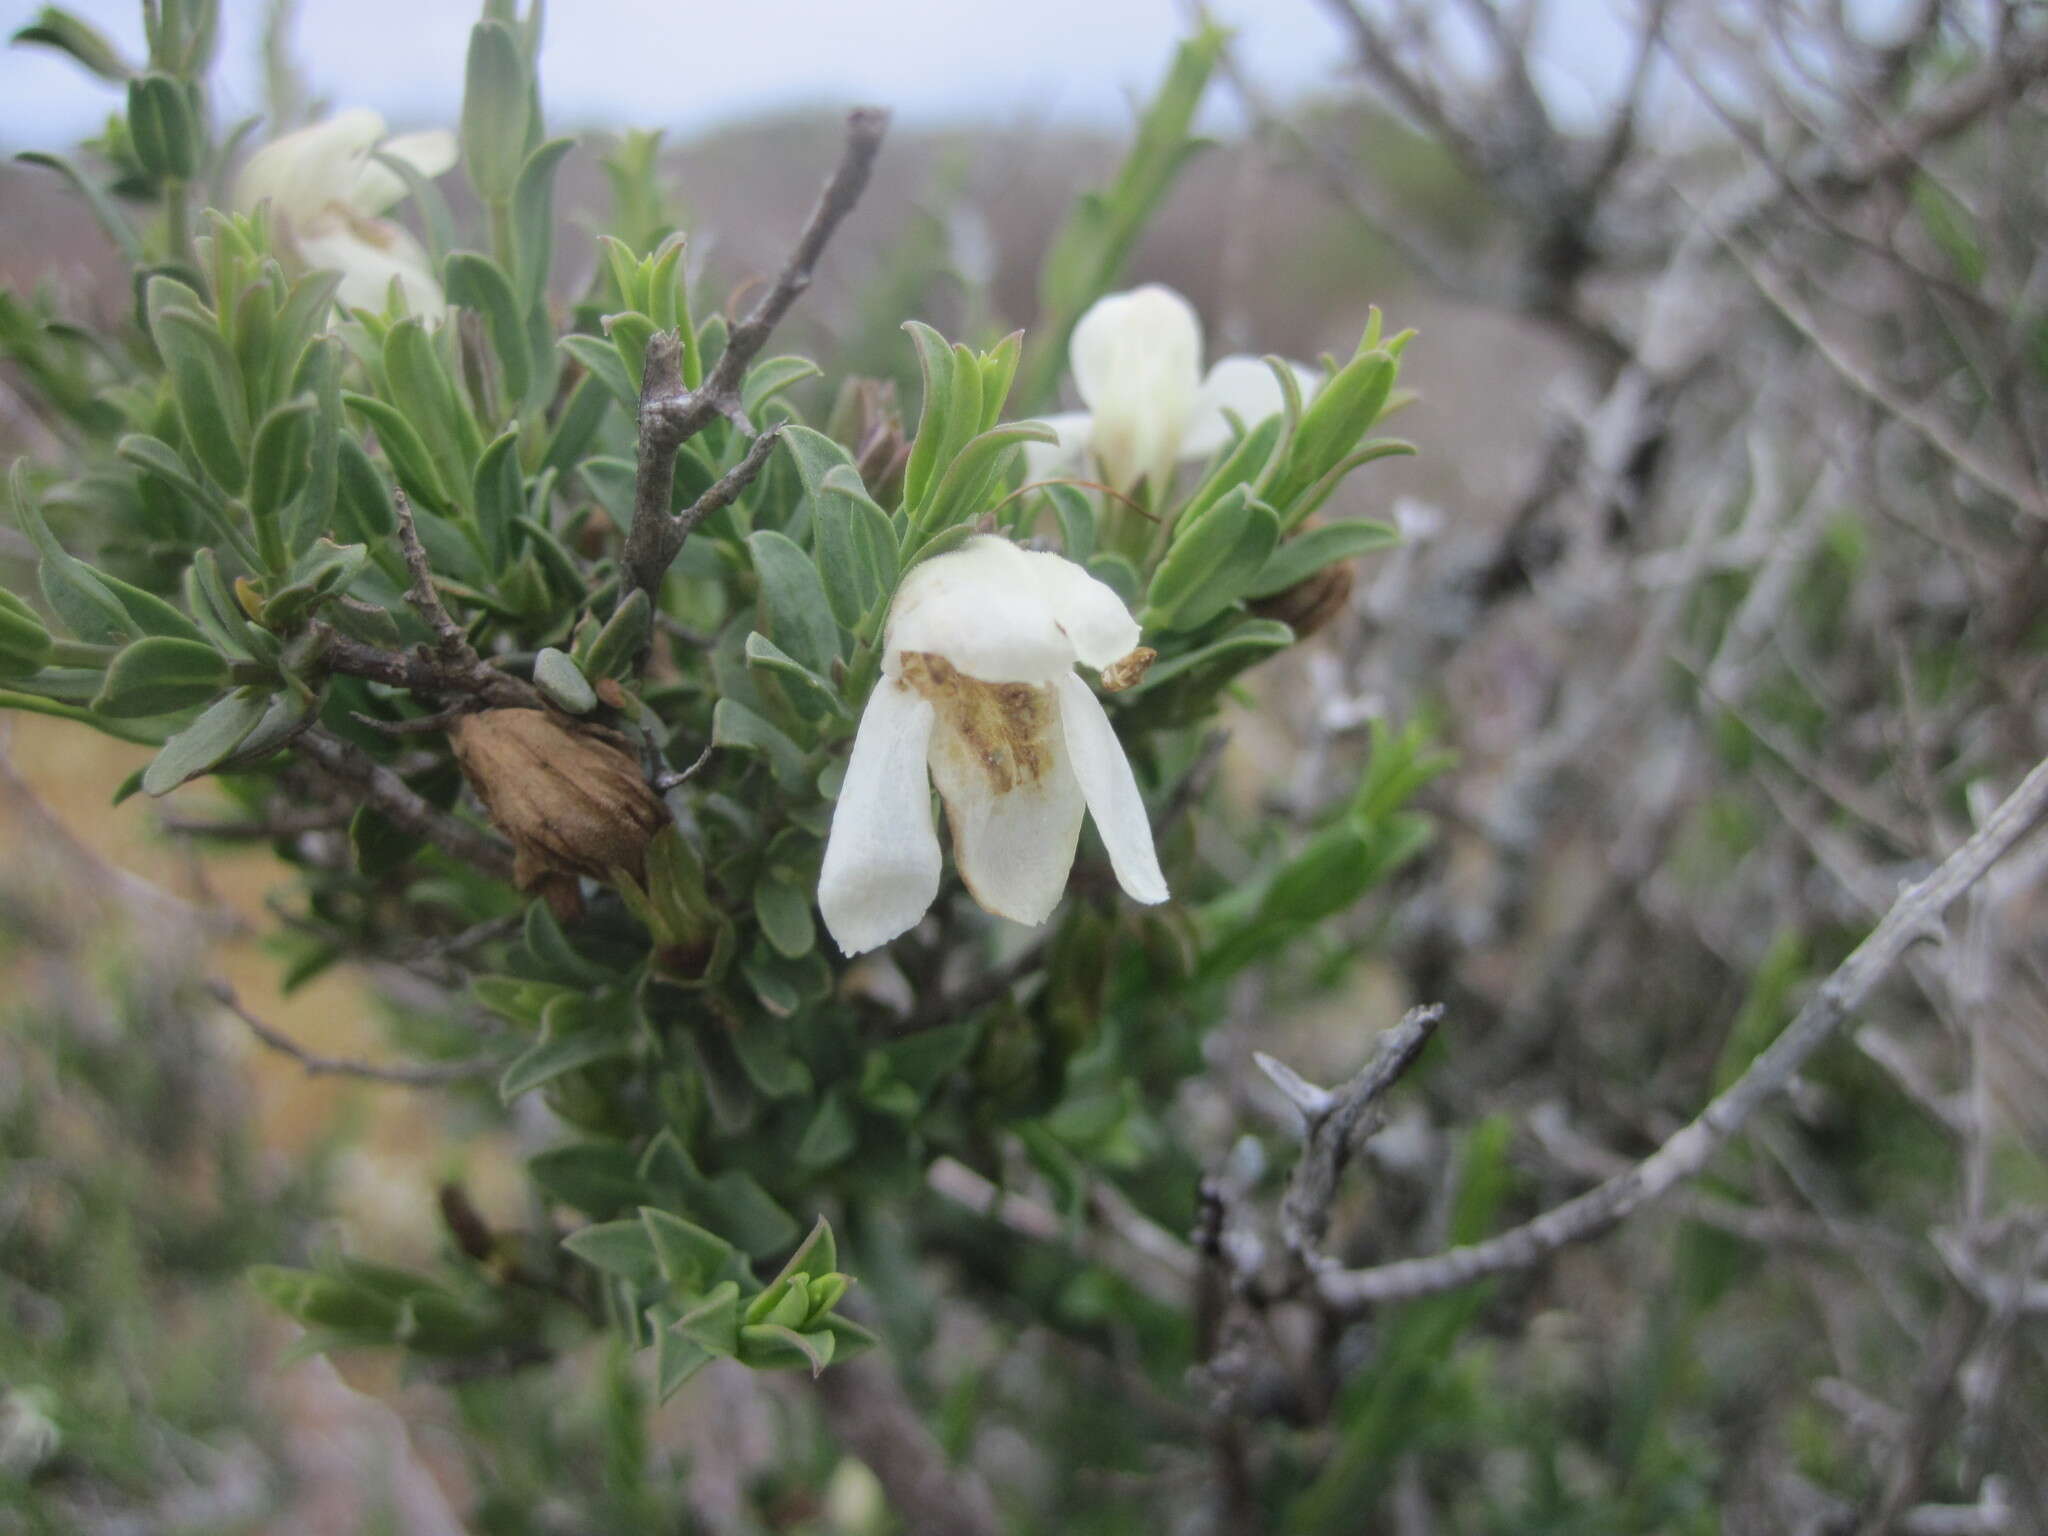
(450, 639)
(1914, 916)
(387, 793)
(671, 413)
(1999, 479)
(438, 1075)
(1337, 1123)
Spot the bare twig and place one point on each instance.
(423, 672)
(1999, 479)
(1338, 1122)
(671, 413)
(389, 795)
(438, 1075)
(1914, 916)
(650, 557)
(449, 637)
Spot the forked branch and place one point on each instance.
(1914, 916)
(671, 413)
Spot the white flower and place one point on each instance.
(1137, 361)
(978, 689)
(327, 193)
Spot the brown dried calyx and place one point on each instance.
(569, 795)
(1311, 602)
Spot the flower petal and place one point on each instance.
(980, 607)
(369, 253)
(377, 187)
(1015, 825)
(1246, 388)
(881, 870)
(1090, 613)
(1111, 790)
(303, 172)
(1137, 361)
(1044, 461)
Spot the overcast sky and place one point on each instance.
(688, 64)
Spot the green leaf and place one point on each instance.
(814, 454)
(59, 29)
(850, 1337)
(604, 364)
(318, 376)
(499, 494)
(278, 465)
(1183, 687)
(714, 1323)
(560, 1053)
(159, 675)
(476, 282)
(421, 390)
(772, 1346)
(630, 332)
(854, 544)
(1306, 553)
(1076, 514)
(622, 1248)
(24, 643)
(963, 489)
(1091, 248)
(783, 907)
(533, 222)
(75, 591)
(577, 425)
(208, 740)
(816, 1257)
(810, 693)
(768, 1062)
(163, 127)
(1341, 413)
(799, 617)
(362, 502)
(209, 391)
(495, 104)
(829, 1136)
(690, 1258)
(621, 639)
(752, 1218)
(403, 450)
(676, 1359)
(935, 361)
(1210, 566)
(555, 675)
(592, 1176)
(1243, 465)
(770, 377)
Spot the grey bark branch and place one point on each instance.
(1337, 1123)
(1914, 916)
(671, 413)
(872, 1416)
(388, 794)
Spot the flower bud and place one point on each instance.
(570, 796)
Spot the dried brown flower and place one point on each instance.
(569, 795)
(1311, 602)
